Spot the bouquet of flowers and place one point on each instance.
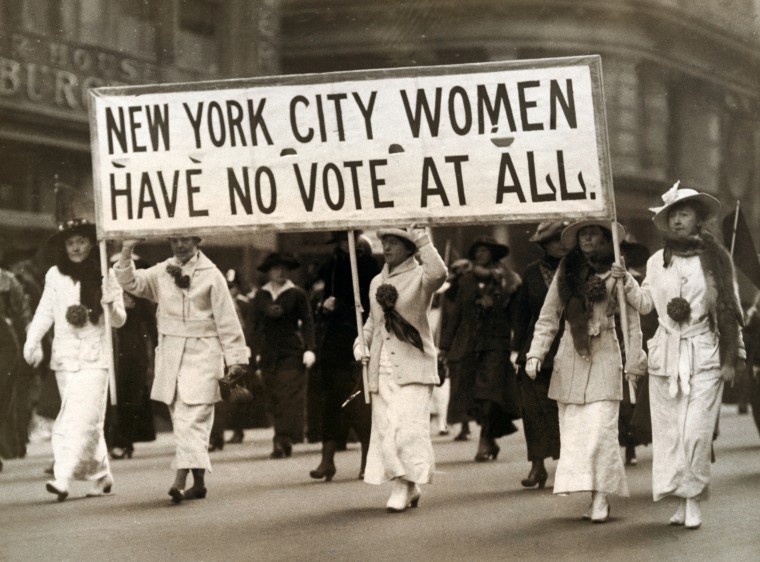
(182, 281)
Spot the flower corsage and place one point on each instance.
(679, 309)
(77, 315)
(182, 281)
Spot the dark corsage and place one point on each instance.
(386, 296)
(595, 289)
(679, 309)
(77, 315)
(182, 281)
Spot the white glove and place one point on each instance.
(358, 352)
(513, 358)
(33, 353)
(532, 367)
(309, 359)
(110, 291)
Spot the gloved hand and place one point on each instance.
(532, 367)
(110, 291)
(513, 355)
(236, 372)
(33, 354)
(358, 353)
(309, 359)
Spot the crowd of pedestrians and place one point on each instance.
(548, 347)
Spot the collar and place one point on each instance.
(406, 265)
(275, 292)
(198, 261)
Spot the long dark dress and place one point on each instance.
(540, 414)
(339, 373)
(486, 367)
(460, 395)
(280, 343)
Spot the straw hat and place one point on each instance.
(570, 233)
(548, 230)
(676, 195)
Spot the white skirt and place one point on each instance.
(79, 447)
(589, 459)
(192, 430)
(400, 445)
(682, 434)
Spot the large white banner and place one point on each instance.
(479, 143)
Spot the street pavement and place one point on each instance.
(259, 509)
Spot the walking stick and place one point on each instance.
(107, 320)
(359, 310)
(622, 304)
(736, 224)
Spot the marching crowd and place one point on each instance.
(473, 340)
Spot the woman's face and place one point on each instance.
(278, 274)
(184, 248)
(78, 248)
(590, 239)
(684, 221)
(395, 251)
(483, 256)
(555, 248)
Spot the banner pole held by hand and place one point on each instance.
(359, 310)
(107, 321)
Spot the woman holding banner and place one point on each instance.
(587, 379)
(198, 333)
(403, 367)
(697, 347)
(72, 303)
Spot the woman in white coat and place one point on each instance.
(587, 375)
(198, 333)
(403, 366)
(72, 302)
(697, 347)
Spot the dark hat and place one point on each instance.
(279, 258)
(570, 233)
(498, 251)
(548, 230)
(73, 227)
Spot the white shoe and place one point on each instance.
(58, 487)
(693, 519)
(101, 487)
(400, 498)
(600, 508)
(679, 517)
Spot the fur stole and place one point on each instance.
(724, 312)
(572, 275)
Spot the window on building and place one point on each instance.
(198, 35)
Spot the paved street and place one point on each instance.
(259, 509)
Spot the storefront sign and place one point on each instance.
(480, 143)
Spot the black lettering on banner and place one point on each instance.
(457, 161)
(415, 120)
(428, 168)
(256, 121)
(567, 103)
(235, 120)
(195, 121)
(337, 99)
(114, 129)
(526, 104)
(244, 196)
(564, 194)
(293, 121)
(354, 167)
(158, 122)
(501, 188)
(214, 109)
(485, 105)
(308, 198)
(134, 124)
(334, 205)
(265, 170)
(458, 91)
(321, 117)
(126, 192)
(147, 197)
(191, 191)
(376, 183)
(170, 202)
(366, 111)
(535, 196)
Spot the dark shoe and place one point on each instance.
(215, 445)
(118, 453)
(176, 494)
(361, 475)
(630, 455)
(195, 493)
(277, 453)
(488, 449)
(237, 437)
(55, 487)
(49, 469)
(323, 471)
(536, 476)
(101, 487)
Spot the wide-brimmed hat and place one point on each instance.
(678, 194)
(548, 230)
(279, 258)
(73, 227)
(569, 235)
(398, 233)
(498, 251)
